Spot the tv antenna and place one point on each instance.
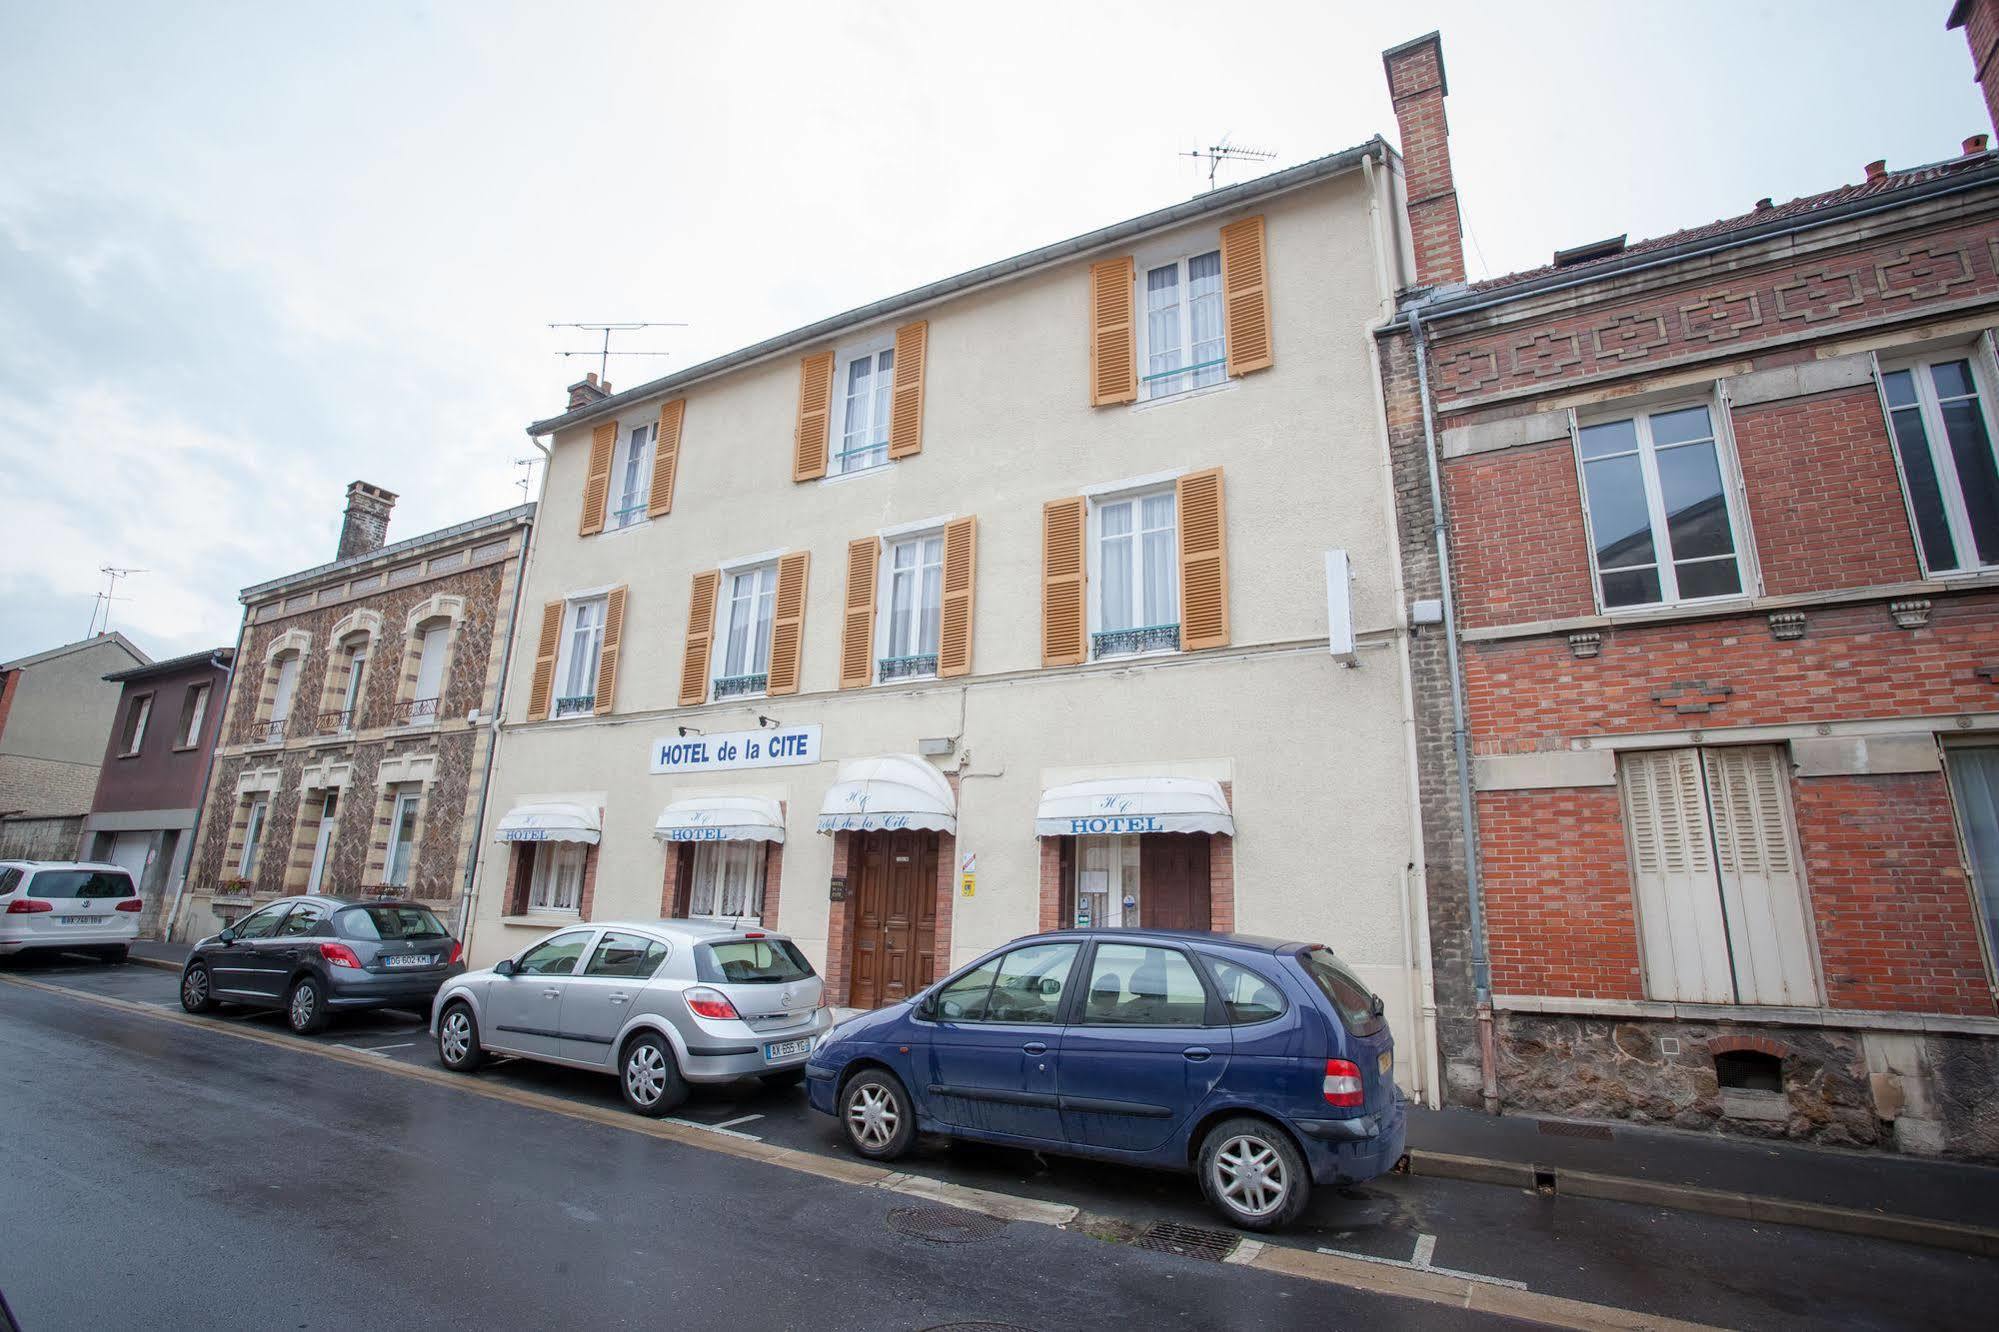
(526, 479)
(1217, 153)
(102, 601)
(604, 353)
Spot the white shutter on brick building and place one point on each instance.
(1762, 893)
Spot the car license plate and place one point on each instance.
(1385, 1062)
(78, 920)
(408, 960)
(784, 1049)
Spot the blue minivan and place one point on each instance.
(1262, 1065)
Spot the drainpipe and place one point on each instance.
(171, 918)
(1481, 963)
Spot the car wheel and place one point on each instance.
(116, 956)
(458, 1040)
(305, 1007)
(197, 992)
(650, 1079)
(790, 1077)
(880, 1122)
(1253, 1174)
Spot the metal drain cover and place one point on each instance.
(944, 1225)
(1189, 1241)
(1561, 1128)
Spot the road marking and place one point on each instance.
(361, 1050)
(1433, 1286)
(1419, 1261)
(379, 1048)
(731, 1123)
(714, 1128)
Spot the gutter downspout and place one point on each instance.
(1481, 962)
(171, 920)
(499, 712)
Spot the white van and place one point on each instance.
(67, 906)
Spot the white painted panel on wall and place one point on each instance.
(1339, 603)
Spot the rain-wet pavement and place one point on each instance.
(1677, 1264)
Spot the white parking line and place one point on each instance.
(359, 1049)
(377, 1049)
(1419, 1261)
(714, 1128)
(731, 1123)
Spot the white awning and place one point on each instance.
(721, 818)
(549, 822)
(889, 791)
(1134, 805)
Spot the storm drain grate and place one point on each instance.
(1557, 1128)
(1210, 1246)
(944, 1225)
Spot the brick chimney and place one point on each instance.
(1980, 21)
(367, 521)
(1416, 84)
(587, 390)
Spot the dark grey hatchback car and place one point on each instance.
(314, 956)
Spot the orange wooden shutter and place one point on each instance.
(1113, 351)
(666, 457)
(1246, 296)
(857, 630)
(815, 409)
(607, 657)
(700, 638)
(597, 482)
(1204, 560)
(543, 688)
(905, 420)
(787, 630)
(1063, 574)
(961, 565)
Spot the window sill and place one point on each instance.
(131, 753)
(184, 749)
(1184, 395)
(634, 526)
(835, 478)
(544, 918)
(1672, 610)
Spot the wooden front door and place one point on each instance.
(895, 916)
(1173, 882)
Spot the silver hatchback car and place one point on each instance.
(661, 1003)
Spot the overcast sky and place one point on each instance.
(252, 252)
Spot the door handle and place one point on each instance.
(551, 994)
(1035, 1047)
(621, 998)
(1197, 1052)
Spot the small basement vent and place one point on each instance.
(1749, 1070)
(1562, 1128)
(1188, 1241)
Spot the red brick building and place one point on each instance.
(1723, 614)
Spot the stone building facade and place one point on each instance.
(1723, 524)
(360, 720)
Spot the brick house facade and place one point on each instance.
(360, 721)
(1723, 534)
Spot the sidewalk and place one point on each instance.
(155, 953)
(1859, 1192)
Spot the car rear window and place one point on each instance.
(1353, 999)
(750, 962)
(80, 883)
(391, 922)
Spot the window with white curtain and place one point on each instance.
(253, 837)
(1944, 439)
(402, 838)
(431, 651)
(1136, 582)
(866, 394)
(1184, 341)
(913, 601)
(582, 646)
(281, 705)
(728, 880)
(633, 474)
(1974, 784)
(746, 641)
(557, 882)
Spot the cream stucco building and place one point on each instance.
(871, 634)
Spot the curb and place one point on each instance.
(1714, 1202)
(163, 963)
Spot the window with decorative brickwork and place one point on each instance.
(1661, 518)
(1940, 414)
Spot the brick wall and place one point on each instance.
(1560, 919)
(840, 919)
(1825, 500)
(1517, 541)
(1895, 919)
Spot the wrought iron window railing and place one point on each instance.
(270, 732)
(735, 686)
(628, 515)
(337, 722)
(414, 710)
(575, 705)
(907, 668)
(1126, 642)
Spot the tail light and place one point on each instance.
(457, 951)
(340, 955)
(131, 904)
(22, 906)
(1343, 1084)
(753, 934)
(704, 1002)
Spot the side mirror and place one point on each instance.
(1050, 987)
(228, 935)
(1374, 1005)
(926, 1007)
(504, 967)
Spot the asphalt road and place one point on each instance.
(238, 1178)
